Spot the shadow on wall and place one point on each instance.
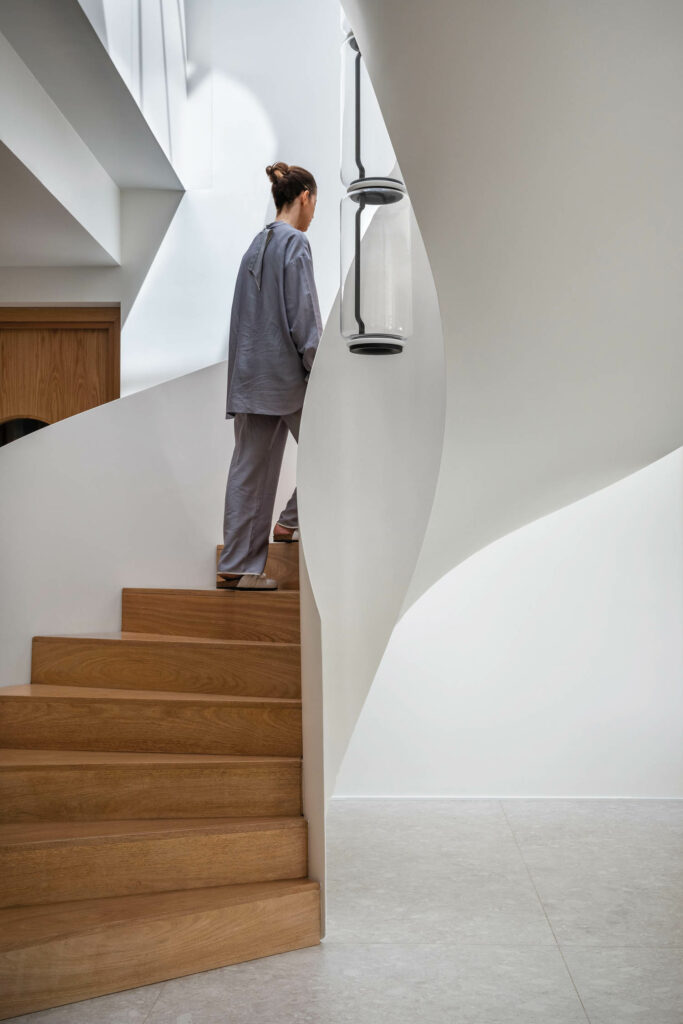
(94, 9)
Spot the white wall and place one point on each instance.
(548, 664)
(129, 494)
(264, 106)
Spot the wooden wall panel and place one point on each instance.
(56, 362)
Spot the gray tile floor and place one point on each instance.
(464, 911)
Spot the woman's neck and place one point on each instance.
(289, 217)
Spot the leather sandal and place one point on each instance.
(285, 534)
(245, 581)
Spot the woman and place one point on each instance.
(275, 328)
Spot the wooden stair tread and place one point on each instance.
(50, 833)
(220, 614)
(80, 718)
(176, 843)
(17, 758)
(61, 953)
(77, 785)
(158, 662)
(27, 926)
(37, 690)
(58, 862)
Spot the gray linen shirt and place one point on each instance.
(275, 324)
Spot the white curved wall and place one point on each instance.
(540, 146)
(548, 664)
(368, 458)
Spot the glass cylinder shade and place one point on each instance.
(376, 284)
(366, 151)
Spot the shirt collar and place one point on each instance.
(255, 265)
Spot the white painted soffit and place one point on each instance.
(60, 46)
(49, 155)
(36, 230)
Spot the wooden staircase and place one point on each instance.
(150, 797)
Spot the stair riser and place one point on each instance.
(94, 869)
(259, 670)
(125, 956)
(92, 793)
(173, 727)
(282, 564)
(218, 615)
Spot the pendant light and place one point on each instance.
(376, 279)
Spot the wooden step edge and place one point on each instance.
(21, 927)
(45, 835)
(272, 595)
(158, 639)
(12, 758)
(34, 691)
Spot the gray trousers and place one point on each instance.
(252, 485)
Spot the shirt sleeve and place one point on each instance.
(301, 304)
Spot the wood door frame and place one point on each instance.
(97, 317)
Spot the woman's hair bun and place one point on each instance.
(288, 181)
(277, 171)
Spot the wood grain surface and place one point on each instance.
(75, 718)
(47, 785)
(130, 661)
(55, 862)
(150, 796)
(51, 956)
(56, 362)
(217, 614)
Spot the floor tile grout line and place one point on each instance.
(152, 1007)
(545, 913)
(455, 945)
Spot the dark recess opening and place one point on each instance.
(12, 430)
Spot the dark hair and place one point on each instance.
(289, 182)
